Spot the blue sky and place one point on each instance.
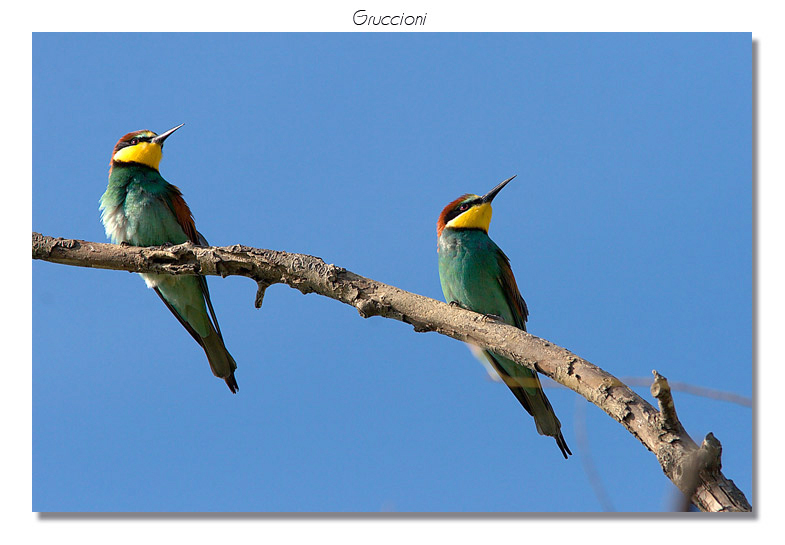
(629, 229)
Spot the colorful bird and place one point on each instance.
(476, 275)
(140, 208)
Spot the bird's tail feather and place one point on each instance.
(545, 418)
(221, 361)
(527, 389)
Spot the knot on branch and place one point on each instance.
(66, 243)
(607, 384)
(333, 272)
(366, 307)
(423, 328)
(240, 249)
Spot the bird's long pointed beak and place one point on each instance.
(488, 197)
(161, 137)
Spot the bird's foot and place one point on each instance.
(492, 318)
(457, 304)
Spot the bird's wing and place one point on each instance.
(206, 292)
(514, 383)
(186, 220)
(201, 241)
(182, 213)
(510, 289)
(188, 327)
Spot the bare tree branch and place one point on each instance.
(659, 431)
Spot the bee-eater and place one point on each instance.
(140, 208)
(476, 275)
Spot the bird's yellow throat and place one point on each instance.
(476, 217)
(146, 153)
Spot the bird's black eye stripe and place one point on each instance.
(460, 209)
(137, 139)
(133, 141)
(464, 206)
